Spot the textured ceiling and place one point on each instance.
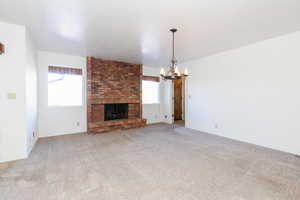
(137, 30)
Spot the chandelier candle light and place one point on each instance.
(173, 73)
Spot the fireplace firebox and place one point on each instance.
(115, 111)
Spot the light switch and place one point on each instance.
(11, 95)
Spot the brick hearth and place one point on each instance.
(113, 82)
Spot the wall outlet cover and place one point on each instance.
(11, 95)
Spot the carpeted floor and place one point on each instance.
(154, 163)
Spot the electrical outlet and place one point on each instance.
(166, 116)
(33, 134)
(78, 124)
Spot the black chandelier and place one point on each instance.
(173, 73)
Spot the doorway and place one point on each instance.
(178, 101)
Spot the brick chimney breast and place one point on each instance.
(113, 82)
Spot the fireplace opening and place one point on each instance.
(115, 111)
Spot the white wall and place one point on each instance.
(14, 66)
(249, 94)
(155, 113)
(31, 92)
(167, 101)
(59, 120)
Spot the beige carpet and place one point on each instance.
(154, 163)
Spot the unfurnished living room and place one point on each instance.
(149, 100)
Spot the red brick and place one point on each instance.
(113, 82)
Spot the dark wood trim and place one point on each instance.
(178, 97)
(1, 48)
(151, 78)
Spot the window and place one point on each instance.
(150, 92)
(64, 86)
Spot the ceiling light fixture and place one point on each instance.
(173, 73)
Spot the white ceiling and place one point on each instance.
(137, 30)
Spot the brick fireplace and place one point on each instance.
(114, 95)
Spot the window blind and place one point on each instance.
(64, 70)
